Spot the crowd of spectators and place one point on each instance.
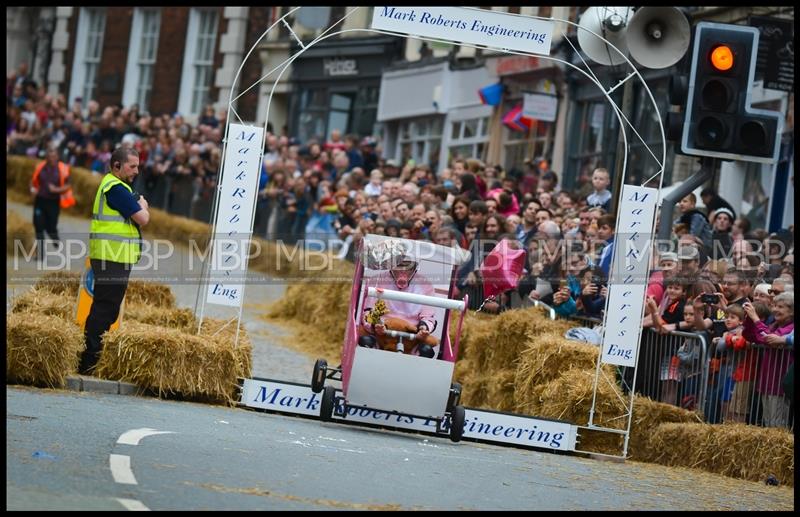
(719, 276)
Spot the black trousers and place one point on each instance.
(110, 284)
(45, 219)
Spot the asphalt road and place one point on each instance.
(59, 449)
(63, 452)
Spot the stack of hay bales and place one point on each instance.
(156, 347)
(735, 450)
(19, 234)
(320, 303)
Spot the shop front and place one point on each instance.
(336, 85)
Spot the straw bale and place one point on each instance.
(170, 362)
(150, 293)
(64, 283)
(647, 415)
(41, 350)
(545, 358)
(19, 234)
(735, 450)
(321, 307)
(174, 318)
(501, 389)
(41, 301)
(569, 398)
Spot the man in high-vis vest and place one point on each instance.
(52, 191)
(115, 245)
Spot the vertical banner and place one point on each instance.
(627, 282)
(234, 221)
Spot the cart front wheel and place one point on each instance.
(328, 400)
(318, 377)
(457, 423)
(454, 397)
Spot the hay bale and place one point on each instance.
(735, 450)
(501, 388)
(647, 415)
(545, 359)
(19, 235)
(65, 283)
(41, 350)
(174, 318)
(322, 307)
(150, 293)
(175, 363)
(569, 398)
(44, 302)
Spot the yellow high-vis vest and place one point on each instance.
(111, 236)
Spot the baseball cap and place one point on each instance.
(668, 255)
(392, 163)
(688, 253)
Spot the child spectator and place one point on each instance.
(600, 196)
(689, 371)
(733, 345)
(373, 188)
(664, 323)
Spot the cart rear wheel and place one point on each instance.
(318, 377)
(454, 397)
(457, 423)
(327, 405)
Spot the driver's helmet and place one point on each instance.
(388, 254)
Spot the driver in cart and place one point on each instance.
(381, 315)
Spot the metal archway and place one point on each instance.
(622, 119)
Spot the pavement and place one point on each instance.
(270, 358)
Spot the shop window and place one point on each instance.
(420, 140)
(519, 146)
(468, 138)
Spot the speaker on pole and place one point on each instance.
(658, 37)
(610, 23)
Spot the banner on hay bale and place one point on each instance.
(627, 281)
(484, 426)
(234, 222)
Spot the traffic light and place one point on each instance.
(719, 121)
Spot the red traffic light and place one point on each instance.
(722, 58)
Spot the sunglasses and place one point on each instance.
(774, 292)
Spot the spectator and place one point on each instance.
(714, 202)
(600, 196)
(722, 240)
(776, 358)
(727, 347)
(695, 220)
(605, 232)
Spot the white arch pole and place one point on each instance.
(620, 116)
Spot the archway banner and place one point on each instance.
(478, 26)
(234, 218)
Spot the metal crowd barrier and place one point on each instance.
(683, 369)
(747, 386)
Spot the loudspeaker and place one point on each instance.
(608, 22)
(658, 37)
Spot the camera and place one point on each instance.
(709, 298)
(427, 223)
(598, 280)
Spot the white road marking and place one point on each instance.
(133, 436)
(133, 505)
(121, 469)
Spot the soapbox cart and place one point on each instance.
(397, 356)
